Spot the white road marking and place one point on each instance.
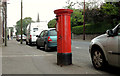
(78, 47)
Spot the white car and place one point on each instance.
(18, 38)
(105, 49)
(33, 30)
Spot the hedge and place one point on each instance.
(91, 29)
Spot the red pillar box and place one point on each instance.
(64, 55)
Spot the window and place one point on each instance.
(42, 34)
(52, 33)
(119, 32)
(46, 32)
(35, 29)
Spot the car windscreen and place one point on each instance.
(52, 33)
(35, 29)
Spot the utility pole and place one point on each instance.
(21, 21)
(5, 9)
(38, 19)
(3, 22)
(84, 22)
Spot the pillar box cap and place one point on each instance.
(61, 11)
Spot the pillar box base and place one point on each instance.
(64, 58)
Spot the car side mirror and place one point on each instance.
(110, 33)
(37, 36)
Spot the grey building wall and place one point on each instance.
(0, 23)
(0, 40)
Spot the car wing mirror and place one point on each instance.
(110, 33)
(37, 36)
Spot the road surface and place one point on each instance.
(24, 59)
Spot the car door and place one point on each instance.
(43, 38)
(113, 50)
(40, 38)
(119, 47)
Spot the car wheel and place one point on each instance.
(37, 46)
(46, 47)
(98, 59)
(30, 44)
(26, 43)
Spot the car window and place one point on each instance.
(42, 34)
(119, 32)
(52, 33)
(46, 32)
(35, 29)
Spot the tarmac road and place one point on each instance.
(24, 59)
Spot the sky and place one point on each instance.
(31, 8)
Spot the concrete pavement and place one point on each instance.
(23, 59)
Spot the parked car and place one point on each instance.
(14, 36)
(18, 38)
(47, 39)
(34, 29)
(105, 49)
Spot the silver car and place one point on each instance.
(105, 49)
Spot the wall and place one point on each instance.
(0, 26)
(0, 41)
(87, 37)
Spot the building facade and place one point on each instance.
(0, 22)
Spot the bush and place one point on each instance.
(91, 28)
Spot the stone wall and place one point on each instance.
(87, 37)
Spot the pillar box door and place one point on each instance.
(64, 55)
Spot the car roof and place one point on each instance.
(49, 29)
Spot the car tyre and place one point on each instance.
(26, 43)
(37, 46)
(98, 59)
(46, 47)
(30, 43)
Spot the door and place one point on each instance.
(119, 47)
(43, 38)
(113, 50)
(35, 32)
(40, 38)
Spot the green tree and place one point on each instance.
(110, 9)
(90, 4)
(76, 18)
(51, 23)
(93, 16)
(69, 4)
(25, 22)
(111, 12)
